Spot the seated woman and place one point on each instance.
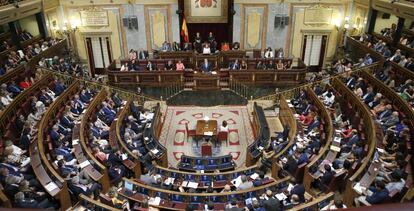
(116, 201)
(179, 66)
(169, 65)
(225, 46)
(243, 65)
(279, 65)
(206, 48)
(236, 46)
(26, 83)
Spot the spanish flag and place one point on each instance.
(184, 31)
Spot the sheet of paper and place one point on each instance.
(237, 181)
(248, 201)
(154, 151)
(254, 176)
(192, 185)
(208, 133)
(124, 156)
(337, 139)
(290, 187)
(154, 201)
(358, 188)
(169, 181)
(25, 162)
(84, 164)
(281, 196)
(184, 183)
(51, 186)
(335, 148)
(75, 141)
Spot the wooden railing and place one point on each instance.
(170, 205)
(315, 203)
(84, 140)
(125, 94)
(287, 117)
(329, 133)
(369, 136)
(115, 142)
(85, 201)
(41, 166)
(262, 132)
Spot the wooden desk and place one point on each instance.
(201, 127)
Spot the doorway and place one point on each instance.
(313, 52)
(99, 54)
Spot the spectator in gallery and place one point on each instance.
(206, 48)
(143, 54)
(234, 65)
(169, 65)
(132, 54)
(269, 53)
(197, 42)
(236, 46)
(243, 65)
(225, 46)
(179, 66)
(187, 46)
(280, 54)
(270, 65)
(166, 46)
(279, 65)
(211, 38)
(176, 46)
(260, 66)
(150, 66)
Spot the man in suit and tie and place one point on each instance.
(351, 81)
(386, 113)
(234, 65)
(271, 203)
(166, 46)
(409, 64)
(13, 88)
(143, 54)
(368, 96)
(206, 66)
(390, 120)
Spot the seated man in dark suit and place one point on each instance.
(116, 172)
(206, 66)
(378, 195)
(298, 189)
(59, 87)
(325, 179)
(77, 188)
(143, 54)
(13, 88)
(271, 203)
(22, 202)
(115, 98)
(234, 65)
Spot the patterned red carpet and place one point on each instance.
(173, 135)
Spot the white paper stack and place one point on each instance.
(254, 176)
(75, 141)
(281, 196)
(192, 185)
(84, 164)
(51, 186)
(208, 133)
(154, 201)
